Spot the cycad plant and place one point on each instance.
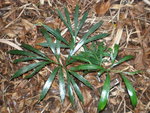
(69, 76)
(101, 59)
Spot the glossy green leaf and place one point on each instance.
(85, 56)
(83, 40)
(93, 47)
(48, 83)
(58, 47)
(105, 94)
(126, 58)
(132, 73)
(67, 23)
(76, 15)
(82, 21)
(30, 48)
(36, 70)
(90, 55)
(93, 28)
(101, 72)
(61, 85)
(96, 37)
(67, 17)
(82, 79)
(45, 44)
(100, 52)
(50, 43)
(62, 17)
(130, 90)
(26, 69)
(94, 61)
(24, 59)
(70, 61)
(115, 53)
(55, 33)
(86, 67)
(106, 54)
(85, 53)
(80, 58)
(20, 52)
(70, 91)
(77, 90)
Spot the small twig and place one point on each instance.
(45, 108)
(67, 108)
(124, 105)
(119, 106)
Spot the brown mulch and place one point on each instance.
(127, 22)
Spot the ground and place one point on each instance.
(127, 22)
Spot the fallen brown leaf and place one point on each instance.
(102, 7)
(87, 95)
